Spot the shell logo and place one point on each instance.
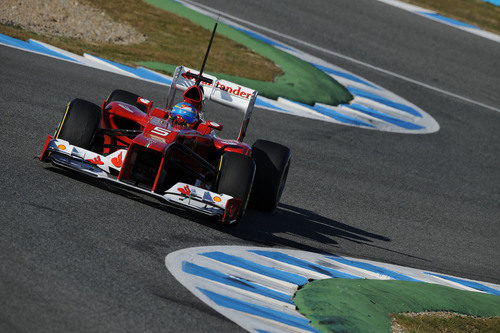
(217, 199)
(62, 147)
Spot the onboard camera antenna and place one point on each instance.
(198, 79)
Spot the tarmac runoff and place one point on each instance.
(372, 107)
(280, 290)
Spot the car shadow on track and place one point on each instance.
(303, 229)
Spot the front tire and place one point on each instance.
(236, 176)
(79, 123)
(273, 162)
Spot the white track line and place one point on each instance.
(425, 13)
(359, 62)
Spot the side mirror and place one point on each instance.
(214, 125)
(145, 102)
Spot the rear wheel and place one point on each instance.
(236, 177)
(79, 123)
(272, 161)
(119, 95)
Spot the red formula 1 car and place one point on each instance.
(172, 153)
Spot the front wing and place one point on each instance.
(64, 155)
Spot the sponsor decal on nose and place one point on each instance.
(185, 190)
(117, 161)
(207, 197)
(96, 160)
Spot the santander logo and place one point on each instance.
(233, 90)
(117, 161)
(96, 160)
(184, 75)
(185, 190)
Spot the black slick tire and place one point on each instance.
(236, 175)
(273, 162)
(119, 95)
(79, 123)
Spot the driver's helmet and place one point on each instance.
(184, 115)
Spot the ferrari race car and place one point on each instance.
(164, 154)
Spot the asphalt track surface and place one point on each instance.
(78, 257)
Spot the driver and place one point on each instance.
(184, 115)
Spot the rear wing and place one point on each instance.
(219, 91)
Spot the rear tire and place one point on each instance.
(236, 175)
(272, 161)
(79, 123)
(119, 95)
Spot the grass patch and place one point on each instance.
(364, 305)
(476, 12)
(170, 39)
(437, 322)
(175, 36)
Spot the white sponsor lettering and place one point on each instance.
(160, 131)
(234, 90)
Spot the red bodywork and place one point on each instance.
(143, 149)
(161, 154)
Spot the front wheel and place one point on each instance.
(236, 175)
(273, 162)
(79, 123)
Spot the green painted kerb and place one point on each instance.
(344, 305)
(300, 82)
